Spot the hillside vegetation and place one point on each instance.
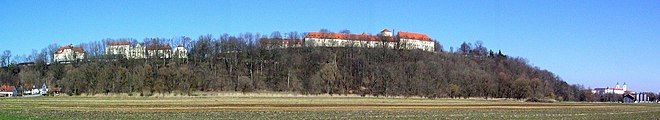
(237, 63)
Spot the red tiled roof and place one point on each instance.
(416, 36)
(347, 36)
(55, 89)
(386, 30)
(180, 45)
(5, 88)
(76, 49)
(118, 43)
(159, 47)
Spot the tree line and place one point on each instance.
(239, 63)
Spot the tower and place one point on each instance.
(617, 85)
(625, 87)
(386, 33)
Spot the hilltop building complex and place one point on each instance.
(126, 50)
(137, 51)
(616, 90)
(68, 53)
(386, 39)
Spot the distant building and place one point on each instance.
(137, 51)
(180, 52)
(35, 91)
(385, 39)
(126, 50)
(7, 91)
(408, 40)
(56, 91)
(643, 97)
(44, 89)
(270, 43)
(628, 98)
(159, 51)
(386, 33)
(616, 90)
(68, 54)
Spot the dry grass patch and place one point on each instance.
(292, 107)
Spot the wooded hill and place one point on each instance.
(237, 63)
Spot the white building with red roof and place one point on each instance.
(616, 90)
(386, 32)
(409, 40)
(180, 52)
(403, 40)
(7, 91)
(68, 53)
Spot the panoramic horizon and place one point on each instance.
(592, 43)
(329, 59)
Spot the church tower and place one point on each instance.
(617, 85)
(625, 87)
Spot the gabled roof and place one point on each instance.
(416, 36)
(76, 49)
(55, 89)
(629, 96)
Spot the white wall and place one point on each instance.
(416, 44)
(68, 55)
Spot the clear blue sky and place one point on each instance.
(593, 43)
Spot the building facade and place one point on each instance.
(7, 91)
(643, 97)
(408, 40)
(385, 39)
(126, 50)
(159, 51)
(137, 51)
(616, 90)
(68, 54)
(180, 52)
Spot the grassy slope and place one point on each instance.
(323, 107)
